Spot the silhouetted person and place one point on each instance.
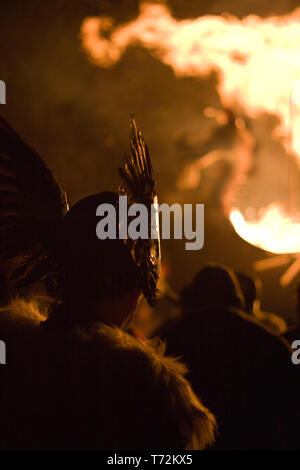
(242, 371)
(252, 292)
(293, 332)
(74, 378)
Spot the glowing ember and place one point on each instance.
(274, 231)
(257, 59)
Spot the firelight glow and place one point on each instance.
(257, 59)
(258, 65)
(274, 231)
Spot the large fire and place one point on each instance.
(257, 59)
(258, 63)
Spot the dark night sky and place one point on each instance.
(76, 114)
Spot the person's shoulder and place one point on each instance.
(255, 324)
(126, 347)
(263, 336)
(21, 313)
(137, 379)
(239, 326)
(159, 381)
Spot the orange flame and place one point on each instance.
(258, 63)
(274, 231)
(257, 59)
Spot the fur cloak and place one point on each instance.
(92, 389)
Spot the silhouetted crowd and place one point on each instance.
(81, 373)
(89, 366)
(239, 362)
